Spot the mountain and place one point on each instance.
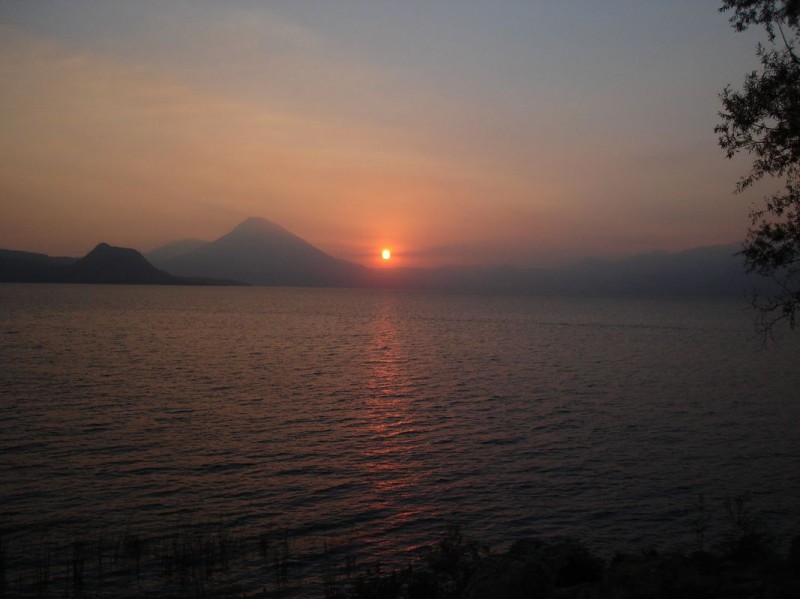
(172, 250)
(712, 270)
(30, 267)
(108, 264)
(104, 264)
(260, 252)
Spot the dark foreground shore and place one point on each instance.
(566, 569)
(214, 564)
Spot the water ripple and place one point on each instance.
(380, 416)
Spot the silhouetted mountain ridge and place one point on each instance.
(712, 270)
(31, 267)
(258, 251)
(108, 264)
(105, 264)
(261, 252)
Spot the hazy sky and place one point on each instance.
(455, 132)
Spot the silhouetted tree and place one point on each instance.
(763, 119)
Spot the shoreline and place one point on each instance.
(210, 562)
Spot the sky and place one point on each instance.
(455, 132)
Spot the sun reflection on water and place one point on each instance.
(391, 454)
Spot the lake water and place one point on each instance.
(368, 420)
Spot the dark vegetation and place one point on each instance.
(762, 119)
(746, 561)
(746, 564)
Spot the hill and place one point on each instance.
(104, 264)
(108, 264)
(30, 267)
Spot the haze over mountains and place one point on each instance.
(712, 270)
(105, 264)
(260, 252)
(263, 253)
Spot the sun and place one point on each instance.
(386, 254)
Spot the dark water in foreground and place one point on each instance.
(370, 419)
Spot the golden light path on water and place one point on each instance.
(366, 420)
(392, 458)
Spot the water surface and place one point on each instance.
(378, 416)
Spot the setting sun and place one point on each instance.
(386, 254)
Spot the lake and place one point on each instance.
(361, 423)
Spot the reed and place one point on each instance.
(3, 561)
(210, 560)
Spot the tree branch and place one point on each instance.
(789, 47)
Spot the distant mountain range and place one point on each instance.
(714, 270)
(259, 252)
(104, 264)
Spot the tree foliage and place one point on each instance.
(763, 120)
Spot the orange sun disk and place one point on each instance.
(386, 254)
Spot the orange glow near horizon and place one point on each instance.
(487, 180)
